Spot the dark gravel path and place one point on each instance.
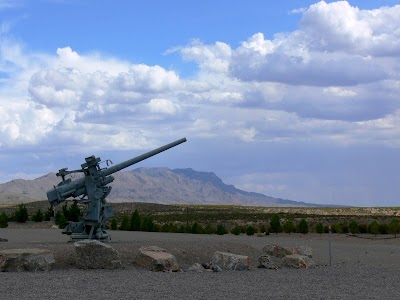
(361, 269)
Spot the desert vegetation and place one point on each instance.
(218, 219)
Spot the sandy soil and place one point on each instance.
(361, 269)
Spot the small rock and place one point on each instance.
(196, 267)
(3, 240)
(156, 259)
(216, 268)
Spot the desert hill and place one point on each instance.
(154, 185)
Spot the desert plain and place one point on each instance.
(359, 268)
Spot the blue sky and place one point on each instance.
(293, 99)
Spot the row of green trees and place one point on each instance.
(21, 216)
(275, 226)
(136, 222)
(353, 227)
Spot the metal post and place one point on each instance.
(330, 247)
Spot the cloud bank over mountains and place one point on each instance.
(334, 81)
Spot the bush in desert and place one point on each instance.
(262, 228)
(394, 227)
(60, 219)
(3, 220)
(275, 224)
(221, 230)
(114, 224)
(319, 228)
(373, 227)
(74, 212)
(250, 230)
(48, 214)
(362, 228)
(196, 228)
(353, 227)
(148, 224)
(288, 226)
(136, 221)
(125, 224)
(38, 216)
(383, 228)
(209, 229)
(303, 226)
(21, 214)
(236, 230)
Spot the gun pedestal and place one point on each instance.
(92, 189)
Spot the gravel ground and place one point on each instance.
(361, 269)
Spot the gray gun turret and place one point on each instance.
(92, 189)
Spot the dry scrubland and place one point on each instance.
(361, 268)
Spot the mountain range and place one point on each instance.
(152, 185)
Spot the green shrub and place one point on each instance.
(148, 224)
(303, 226)
(362, 228)
(3, 220)
(136, 221)
(60, 219)
(114, 224)
(38, 216)
(262, 228)
(221, 229)
(48, 214)
(319, 228)
(21, 214)
(74, 212)
(344, 227)
(250, 230)
(65, 211)
(275, 224)
(237, 230)
(124, 224)
(373, 227)
(196, 228)
(383, 228)
(209, 229)
(394, 227)
(353, 227)
(336, 228)
(288, 226)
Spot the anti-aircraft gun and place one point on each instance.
(92, 190)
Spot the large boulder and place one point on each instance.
(297, 261)
(156, 259)
(26, 260)
(93, 254)
(275, 256)
(230, 261)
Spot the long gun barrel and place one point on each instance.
(139, 158)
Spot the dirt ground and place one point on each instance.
(360, 268)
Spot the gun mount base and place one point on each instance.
(80, 231)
